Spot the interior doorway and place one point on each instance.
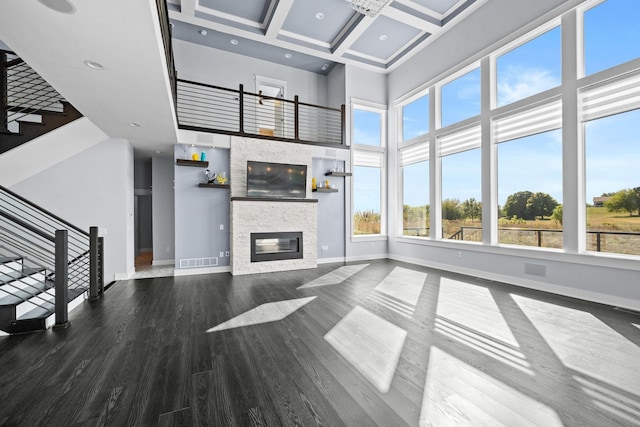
(270, 109)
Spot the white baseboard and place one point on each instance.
(331, 260)
(527, 283)
(366, 257)
(121, 276)
(163, 262)
(195, 271)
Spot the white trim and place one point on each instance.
(163, 262)
(596, 297)
(196, 271)
(359, 238)
(301, 38)
(366, 257)
(331, 260)
(121, 276)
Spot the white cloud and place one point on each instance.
(519, 82)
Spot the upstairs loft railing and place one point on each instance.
(72, 258)
(165, 30)
(23, 93)
(209, 108)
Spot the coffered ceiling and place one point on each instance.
(315, 35)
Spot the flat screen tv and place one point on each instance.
(276, 180)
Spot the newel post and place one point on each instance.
(94, 271)
(62, 274)
(241, 99)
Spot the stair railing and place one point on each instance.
(73, 258)
(23, 91)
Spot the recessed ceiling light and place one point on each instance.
(203, 32)
(234, 42)
(134, 125)
(383, 37)
(93, 65)
(288, 55)
(62, 6)
(324, 67)
(319, 15)
(158, 152)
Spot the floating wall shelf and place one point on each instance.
(325, 190)
(193, 163)
(213, 185)
(338, 174)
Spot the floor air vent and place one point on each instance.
(198, 262)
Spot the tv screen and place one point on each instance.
(276, 180)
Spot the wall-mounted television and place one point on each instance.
(276, 180)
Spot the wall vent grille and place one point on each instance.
(198, 262)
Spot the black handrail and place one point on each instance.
(43, 210)
(27, 226)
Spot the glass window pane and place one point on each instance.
(530, 189)
(366, 127)
(530, 68)
(461, 195)
(366, 200)
(461, 98)
(611, 34)
(612, 153)
(415, 199)
(415, 118)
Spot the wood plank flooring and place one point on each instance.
(375, 347)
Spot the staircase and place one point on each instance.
(29, 106)
(46, 263)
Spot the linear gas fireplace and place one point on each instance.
(276, 246)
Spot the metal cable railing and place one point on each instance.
(25, 91)
(63, 253)
(233, 111)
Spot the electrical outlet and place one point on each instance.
(221, 254)
(459, 254)
(227, 253)
(221, 226)
(325, 248)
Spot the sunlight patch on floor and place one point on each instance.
(562, 329)
(457, 394)
(337, 276)
(473, 307)
(403, 284)
(617, 402)
(265, 313)
(371, 344)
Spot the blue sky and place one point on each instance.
(534, 163)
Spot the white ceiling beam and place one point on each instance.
(406, 18)
(188, 7)
(347, 41)
(278, 18)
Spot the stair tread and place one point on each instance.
(6, 278)
(8, 259)
(37, 313)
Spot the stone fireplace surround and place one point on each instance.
(249, 215)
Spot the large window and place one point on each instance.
(460, 98)
(612, 158)
(368, 170)
(414, 161)
(530, 176)
(415, 118)
(461, 185)
(611, 34)
(531, 68)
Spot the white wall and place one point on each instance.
(163, 216)
(208, 65)
(93, 188)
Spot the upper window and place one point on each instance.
(530, 68)
(367, 127)
(611, 34)
(415, 118)
(460, 98)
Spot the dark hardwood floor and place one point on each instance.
(390, 344)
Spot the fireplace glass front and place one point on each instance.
(276, 246)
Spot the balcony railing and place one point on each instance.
(209, 108)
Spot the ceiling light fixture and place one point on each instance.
(370, 8)
(203, 32)
(288, 55)
(62, 6)
(134, 125)
(93, 65)
(320, 15)
(234, 42)
(383, 37)
(324, 67)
